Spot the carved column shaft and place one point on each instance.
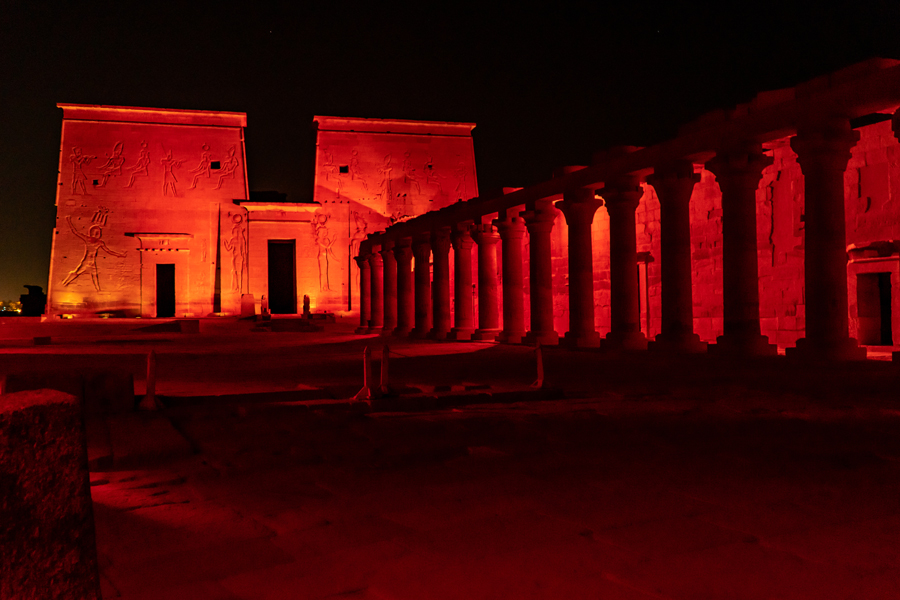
(823, 150)
(539, 222)
(622, 198)
(464, 323)
(579, 207)
(674, 184)
(405, 288)
(512, 232)
(365, 290)
(738, 171)
(376, 322)
(422, 253)
(488, 288)
(440, 290)
(390, 285)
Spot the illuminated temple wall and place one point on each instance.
(368, 174)
(143, 192)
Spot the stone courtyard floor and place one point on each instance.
(690, 478)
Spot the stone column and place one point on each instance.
(422, 252)
(674, 184)
(539, 222)
(376, 322)
(440, 288)
(405, 289)
(488, 288)
(579, 206)
(823, 150)
(365, 290)
(738, 171)
(464, 324)
(622, 196)
(512, 232)
(390, 286)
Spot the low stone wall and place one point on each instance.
(46, 518)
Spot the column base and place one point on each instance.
(485, 335)
(846, 349)
(387, 331)
(589, 339)
(460, 335)
(511, 337)
(545, 338)
(419, 334)
(401, 332)
(361, 330)
(631, 341)
(437, 334)
(374, 329)
(679, 343)
(743, 345)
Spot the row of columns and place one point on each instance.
(390, 302)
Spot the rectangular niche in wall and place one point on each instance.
(873, 298)
(282, 277)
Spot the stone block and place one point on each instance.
(47, 536)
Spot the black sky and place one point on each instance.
(546, 87)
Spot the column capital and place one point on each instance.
(403, 249)
(826, 142)
(579, 205)
(674, 181)
(510, 228)
(440, 240)
(540, 216)
(623, 191)
(485, 234)
(461, 238)
(362, 261)
(739, 160)
(375, 259)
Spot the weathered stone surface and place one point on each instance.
(46, 517)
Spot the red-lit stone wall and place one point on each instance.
(141, 187)
(370, 173)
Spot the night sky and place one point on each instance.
(546, 88)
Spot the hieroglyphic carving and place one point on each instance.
(229, 166)
(169, 179)
(431, 176)
(204, 168)
(409, 173)
(355, 172)
(78, 177)
(462, 173)
(359, 234)
(323, 244)
(93, 243)
(384, 186)
(238, 246)
(140, 167)
(113, 164)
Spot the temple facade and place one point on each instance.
(154, 216)
(772, 224)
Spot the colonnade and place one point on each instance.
(822, 143)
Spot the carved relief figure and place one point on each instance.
(359, 234)
(229, 166)
(169, 179)
(409, 173)
(385, 185)
(112, 166)
(355, 172)
(203, 168)
(93, 244)
(324, 242)
(431, 176)
(140, 168)
(78, 177)
(332, 171)
(237, 245)
(461, 173)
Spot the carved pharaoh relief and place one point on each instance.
(93, 244)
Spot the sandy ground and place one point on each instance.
(687, 478)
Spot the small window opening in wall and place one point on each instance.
(345, 168)
(215, 165)
(96, 182)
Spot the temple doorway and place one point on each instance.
(873, 298)
(165, 290)
(282, 277)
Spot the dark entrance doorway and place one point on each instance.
(282, 277)
(873, 301)
(165, 290)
